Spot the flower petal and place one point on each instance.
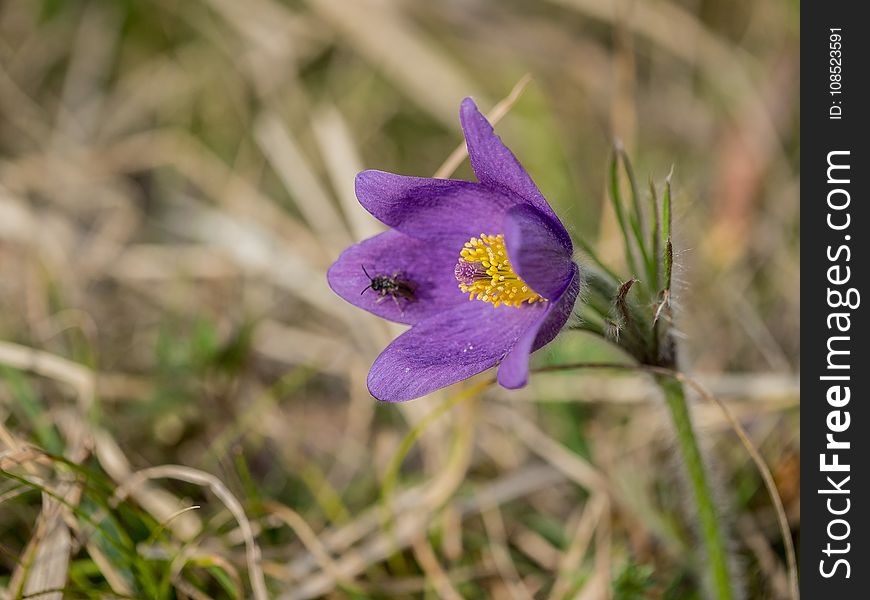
(560, 311)
(514, 369)
(446, 211)
(536, 251)
(426, 267)
(496, 166)
(449, 347)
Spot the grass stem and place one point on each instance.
(711, 530)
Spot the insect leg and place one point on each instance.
(398, 305)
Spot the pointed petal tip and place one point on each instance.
(365, 179)
(512, 378)
(386, 393)
(467, 104)
(474, 123)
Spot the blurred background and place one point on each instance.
(183, 409)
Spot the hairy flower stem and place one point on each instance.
(711, 530)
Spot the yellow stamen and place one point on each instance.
(484, 273)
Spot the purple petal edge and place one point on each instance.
(449, 347)
(495, 165)
(513, 372)
(536, 251)
(446, 211)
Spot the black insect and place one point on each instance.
(390, 286)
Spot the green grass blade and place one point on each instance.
(666, 207)
(636, 221)
(617, 203)
(655, 284)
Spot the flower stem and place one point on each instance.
(711, 530)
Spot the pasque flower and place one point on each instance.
(481, 271)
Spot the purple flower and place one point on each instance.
(482, 271)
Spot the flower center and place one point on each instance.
(485, 273)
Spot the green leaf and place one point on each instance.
(637, 224)
(666, 207)
(655, 284)
(617, 203)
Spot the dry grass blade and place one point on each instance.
(449, 166)
(377, 30)
(197, 477)
(308, 538)
(27, 116)
(116, 580)
(766, 476)
(233, 192)
(338, 150)
(50, 550)
(762, 467)
(581, 536)
(433, 570)
(54, 367)
(569, 463)
(256, 250)
(603, 550)
(20, 455)
(193, 554)
(406, 528)
(159, 503)
(263, 23)
(296, 346)
(535, 546)
(296, 173)
(769, 389)
(495, 531)
(671, 27)
(47, 557)
(90, 62)
(770, 565)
